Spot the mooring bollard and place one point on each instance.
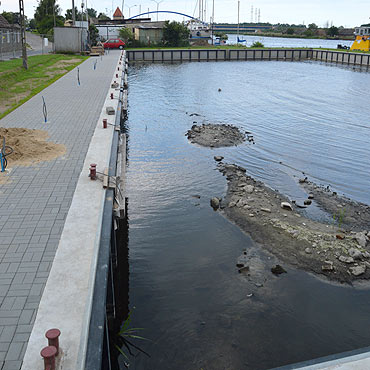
(105, 123)
(92, 171)
(116, 75)
(48, 354)
(53, 338)
(111, 95)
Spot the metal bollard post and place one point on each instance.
(48, 354)
(53, 338)
(92, 171)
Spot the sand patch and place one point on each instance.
(29, 146)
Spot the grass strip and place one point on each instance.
(18, 85)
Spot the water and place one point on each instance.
(187, 293)
(282, 42)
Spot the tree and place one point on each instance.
(32, 24)
(175, 34)
(126, 35)
(290, 31)
(77, 14)
(44, 16)
(11, 17)
(103, 17)
(312, 26)
(94, 33)
(308, 33)
(91, 12)
(332, 31)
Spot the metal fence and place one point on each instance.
(11, 44)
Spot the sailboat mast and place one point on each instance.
(238, 17)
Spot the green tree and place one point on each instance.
(312, 26)
(44, 16)
(126, 35)
(103, 17)
(78, 14)
(332, 31)
(11, 17)
(92, 12)
(94, 33)
(32, 24)
(175, 34)
(290, 31)
(308, 33)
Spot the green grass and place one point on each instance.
(18, 85)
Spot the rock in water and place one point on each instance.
(355, 253)
(278, 270)
(346, 259)
(249, 189)
(218, 158)
(286, 205)
(215, 203)
(307, 202)
(361, 239)
(358, 270)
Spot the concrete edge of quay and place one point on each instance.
(67, 297)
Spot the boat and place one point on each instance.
(362, 41)
(199, 29)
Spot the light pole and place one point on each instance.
(129, 10)
(157, 2)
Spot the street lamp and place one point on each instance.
(129, 10)
(158, 2)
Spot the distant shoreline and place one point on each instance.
(343, 38)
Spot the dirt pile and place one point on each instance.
(29, 146)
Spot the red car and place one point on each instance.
(114, 44)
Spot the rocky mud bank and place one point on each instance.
(216, 135)
(340, 251)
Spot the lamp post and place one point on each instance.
(157, 2)
(129, 10)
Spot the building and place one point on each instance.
(117, 14)
(10, 36)
(148, 35)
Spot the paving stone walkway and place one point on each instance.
(36, 200)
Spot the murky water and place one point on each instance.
(285, 42)
(189, 298)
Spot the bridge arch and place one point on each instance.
(165, 11)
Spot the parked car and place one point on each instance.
(114, 44)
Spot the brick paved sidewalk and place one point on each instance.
(35, 202)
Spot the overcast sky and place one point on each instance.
(341, 12)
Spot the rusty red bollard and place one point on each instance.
(48, 354)
(105, 123)
(111, 95)
(53, 334)
(92, 171)
(116, 75)
(117, 68)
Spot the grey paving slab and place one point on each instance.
(35, 202)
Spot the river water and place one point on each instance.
(188, 296)
(285, 42)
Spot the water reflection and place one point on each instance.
(188, 295)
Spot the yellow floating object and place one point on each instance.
(362, 41)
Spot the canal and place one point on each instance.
(184, 288)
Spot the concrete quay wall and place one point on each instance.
(211, 55)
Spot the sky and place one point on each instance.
(337, 12)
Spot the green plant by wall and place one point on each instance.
(125, 337)
(258, 44)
